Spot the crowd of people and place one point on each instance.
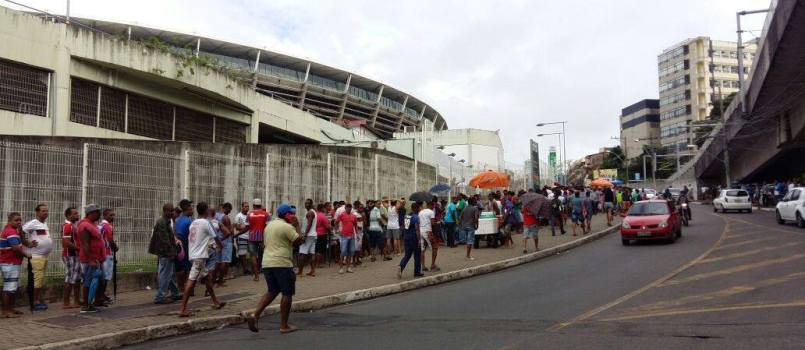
(198, 243)
(88, 257)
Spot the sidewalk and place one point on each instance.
(134, 310)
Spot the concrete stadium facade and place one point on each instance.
(110, 80)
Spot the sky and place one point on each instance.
(496, 65)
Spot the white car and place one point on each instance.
(792, 207)
(732, 200)
(650, 193)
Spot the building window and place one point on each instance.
(684, 95)
(113, 109)
(84, 102)
(144, 116)
(228, 131)
(150, 118)
(676, 112)
(23, 89)
(193, 125)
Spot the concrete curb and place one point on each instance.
(139, 335)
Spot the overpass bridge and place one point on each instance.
(766, 139)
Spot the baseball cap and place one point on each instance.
(91, 208)
(285, 209)
(257, 201)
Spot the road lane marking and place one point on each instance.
(739, 268)
(660, 305)
(737, 307)
(764, 226)
(748, 252)
(738, 244)
(637, 292)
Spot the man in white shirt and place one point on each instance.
(201, 237)
(307, 250)
(242, 231)
(426, 217)
(37, 231)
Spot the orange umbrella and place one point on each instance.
(490, 179)
(601, 182)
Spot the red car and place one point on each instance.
(655, 219)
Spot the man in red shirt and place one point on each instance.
(92, 254)
(322, 229)
(349, 226)
(530, 230)
(257, 219)
(69, 256)
(11, 253)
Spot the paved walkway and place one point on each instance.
(135, 309)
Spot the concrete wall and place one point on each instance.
(70, 51)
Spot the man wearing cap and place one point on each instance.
(257, 219)
(92, 254)
(280, 238)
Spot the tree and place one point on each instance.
(614, 159)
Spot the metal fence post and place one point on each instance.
(416, 175)
(186, 175)
(377, 178)
(329, 178)
(265, 196)
(84, 173)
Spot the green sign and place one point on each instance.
(552, 158)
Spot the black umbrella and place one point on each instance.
(421, 197)
(30, 286)
(528, 197)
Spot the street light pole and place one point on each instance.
(741, 89)
(562, 149)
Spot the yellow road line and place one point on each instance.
(738, 244)
(748, 252)
(797, 303)
(637, 292)
(764, 226)
(658, 306)
(739, 268)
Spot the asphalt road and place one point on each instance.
(733, 281)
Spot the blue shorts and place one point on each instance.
(531, 231)
(226, 251)
(212, 259)
(280, 280)
(108, 267)
(469, 235)
(347, 245)
(576, 217)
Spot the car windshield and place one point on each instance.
(737, 193)
(649, 208)
(675, 190)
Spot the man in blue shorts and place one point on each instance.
(280, 238)
(577, 212)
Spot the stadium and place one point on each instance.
(93, 78)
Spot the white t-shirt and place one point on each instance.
(241, 219)
(374, 220)
(394, 219)
(199, 239)
(425, 215)
(303, 224)
(38, 231)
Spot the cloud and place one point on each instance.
(482, 64)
